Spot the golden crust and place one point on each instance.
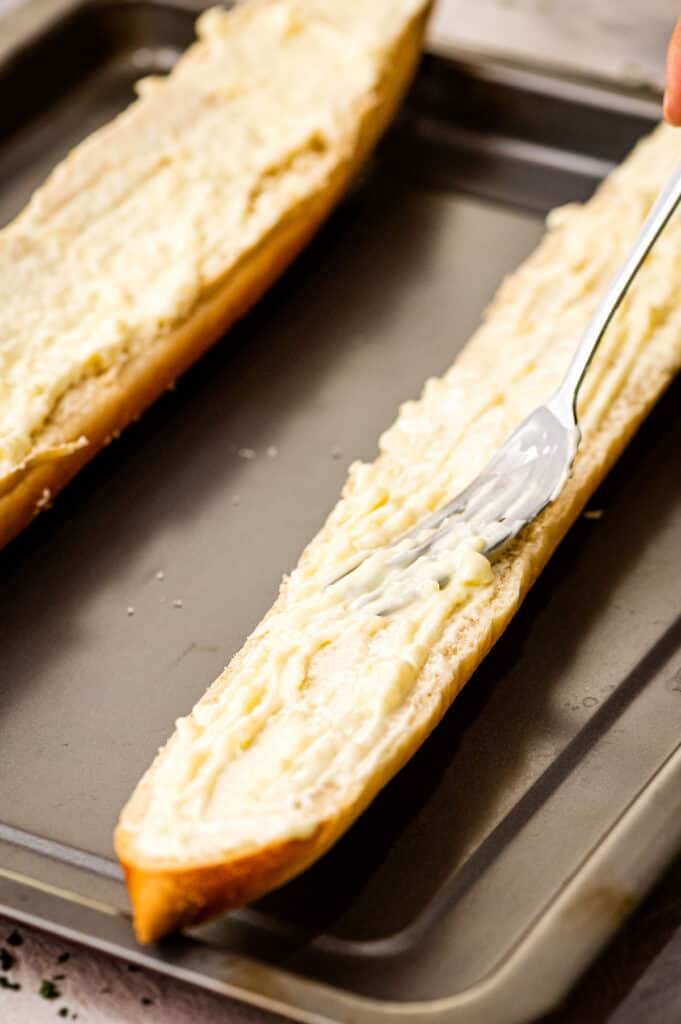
(168, 899)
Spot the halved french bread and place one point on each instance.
(162, 228)
(327, 699)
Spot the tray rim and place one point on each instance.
(501, 997)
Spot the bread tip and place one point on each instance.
(152, 917)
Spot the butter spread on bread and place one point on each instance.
(327, 699)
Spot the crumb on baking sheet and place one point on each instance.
(160, 575)
(594, 513)
(45, 499)
(177, 603)
(336, 452)
(272, 451)
(130, 610)
(246, 453)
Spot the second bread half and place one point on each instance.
(160, 230)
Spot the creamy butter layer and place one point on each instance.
(151, 212)
(325, 689)
(316, 684)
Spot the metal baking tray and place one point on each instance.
(487, 875)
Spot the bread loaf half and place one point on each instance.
(165, 226)
(328, 699)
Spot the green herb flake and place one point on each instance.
(63, 957)
(146, 1001)
(64, 1012)
(15, 939)
(58, 977)
(7, 961)
(48, 989)
(6, 983)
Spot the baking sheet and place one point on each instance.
(547, 801)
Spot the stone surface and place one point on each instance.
(623, 41)
(58, 979)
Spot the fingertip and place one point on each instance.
(672, 98)
(671, 108)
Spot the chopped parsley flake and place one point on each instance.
(48, 989)
(7, 961)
